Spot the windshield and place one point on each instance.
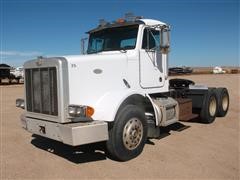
(118, 38)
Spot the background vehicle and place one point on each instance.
(180, 70)
(218, 70)
(6, 74)
(4, 71)
(18, 74)
(119, 92)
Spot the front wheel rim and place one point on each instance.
(132, 133)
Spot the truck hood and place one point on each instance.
(98, 56)
(95, 75)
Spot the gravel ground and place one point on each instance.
(200, 151)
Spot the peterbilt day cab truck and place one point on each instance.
(118, 92)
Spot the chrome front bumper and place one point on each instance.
(72, 133)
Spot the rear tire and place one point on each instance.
(127, 134)
(209, 108)
(223, 101)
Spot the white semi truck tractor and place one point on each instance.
(118, 91)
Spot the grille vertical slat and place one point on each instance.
(51, 92)
(41, 90)
(45, 96)
(31, 88)
(40, 94)
(49, 89)
(28, 89)
(36, 90)
(53, 80)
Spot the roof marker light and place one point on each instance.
(120, 20)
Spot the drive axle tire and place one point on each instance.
(223, 101)
(127, 134)
(209, 108)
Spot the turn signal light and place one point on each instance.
(89, 111)
(80, 111)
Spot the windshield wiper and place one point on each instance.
(123, 50)
(92, 51)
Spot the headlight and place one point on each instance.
(77, 111)
(20, 103)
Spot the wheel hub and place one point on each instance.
(212, 106)
(225, 102)
(132, 133)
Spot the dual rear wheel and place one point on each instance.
(215, 104)
(223, 99)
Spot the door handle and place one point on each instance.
(160, 79)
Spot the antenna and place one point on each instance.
(102, 22)
(130, 16)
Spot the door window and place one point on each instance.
(151, 43)
(151, 39)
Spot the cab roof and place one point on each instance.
(150, 22)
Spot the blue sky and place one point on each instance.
(204, 33)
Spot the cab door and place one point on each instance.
(151, 60)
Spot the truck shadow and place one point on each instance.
(91, 152)
(195, 120)
(79, 154)
(166, 131)
(178, 126)
(10, 84)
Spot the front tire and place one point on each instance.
(128, 133)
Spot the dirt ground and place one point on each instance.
(200, 151)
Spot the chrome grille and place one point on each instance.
(41, 90)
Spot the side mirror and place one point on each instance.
(165, 49)
(165, 41)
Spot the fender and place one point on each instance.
(107, 106)
(110, 103)
(157, 113)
